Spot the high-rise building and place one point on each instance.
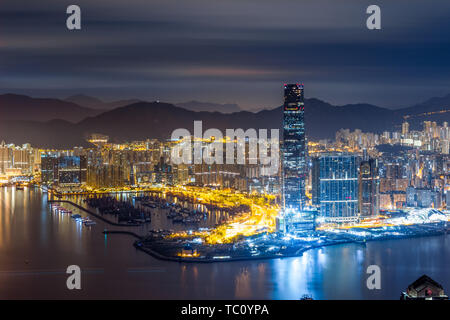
(445, 147)
(369, 188)
(49, 166)
(393, 171)
(71, 170)
(427, 126)
(405, 128)
(21, 159)
(294, 148)
(315, 181)
(423, 198)
(5, 157)
(339, 187)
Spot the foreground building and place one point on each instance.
(424, 288)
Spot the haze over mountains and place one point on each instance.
(193, 105)
(63, 123)
(95, 103)
(208, 106)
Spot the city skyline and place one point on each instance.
(226, 150)
(360, 187)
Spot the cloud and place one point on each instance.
(222, 50)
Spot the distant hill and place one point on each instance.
(95, 103)
(85, 101)
(323, 119)
(434, 109)
(142, 120)
(158, 120)
(21, 107)
(208, 106)
(430, 105)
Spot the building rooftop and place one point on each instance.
(425, 288)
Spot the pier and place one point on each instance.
(96, 214)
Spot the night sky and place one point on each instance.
(235, 51)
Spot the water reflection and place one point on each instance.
(34, 239)
(242, 283)
(158, 215)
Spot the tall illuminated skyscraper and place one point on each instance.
(405, 128)
(294, 147)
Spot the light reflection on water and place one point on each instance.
(158, 215)
(33, 240)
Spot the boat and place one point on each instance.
(177, 219)
(89, 222)
(191, 220)
(76, 216)
(19, 188)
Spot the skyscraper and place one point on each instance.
(71, 170)
(369, 188)
(405, 128)
(315, 181)
(49, 165)
(294, 147)
(5, 157)
(339, 187)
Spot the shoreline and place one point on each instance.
(138, 245)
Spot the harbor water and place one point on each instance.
(37, 245)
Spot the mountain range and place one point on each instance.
(54, 123)
(95, 103)
(193, 105)
(209, 106)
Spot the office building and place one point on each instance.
(369, 185)
(339, 187)
(294, 150)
